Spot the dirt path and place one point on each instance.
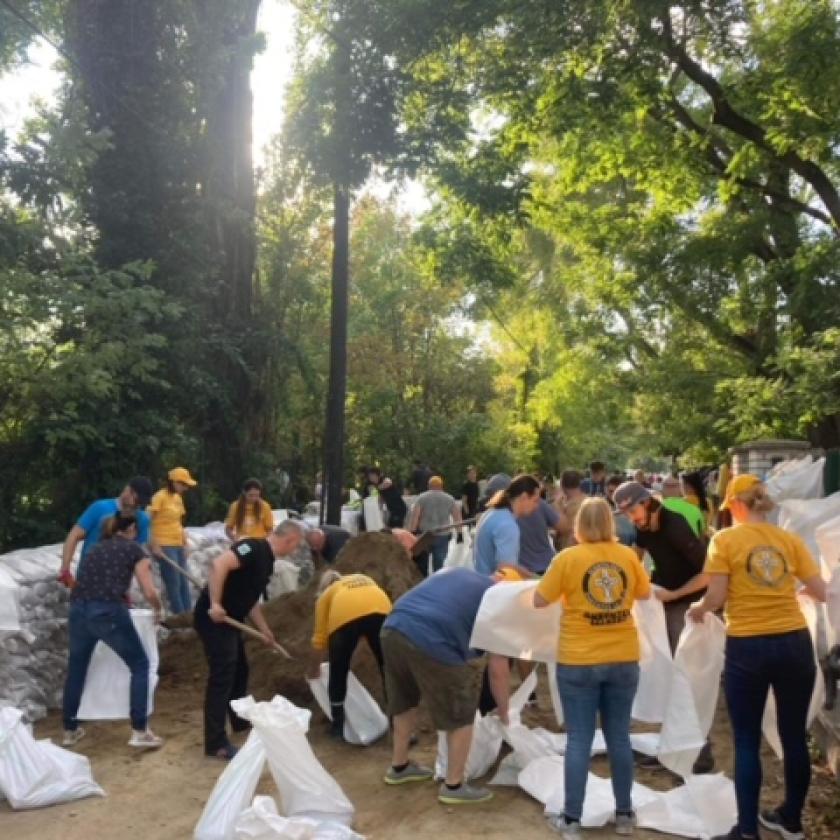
(159, 796)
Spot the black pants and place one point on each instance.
(228, 677)
(342, 645)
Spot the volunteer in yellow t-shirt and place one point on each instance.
(167, 513)
(349, 608)
(597, 655)
(250, 516)
(753, 568)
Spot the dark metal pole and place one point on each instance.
(336, 397)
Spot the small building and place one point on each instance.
(760, 456)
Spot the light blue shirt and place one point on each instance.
(91, 522)
(496, 541)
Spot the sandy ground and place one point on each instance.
(160, 795)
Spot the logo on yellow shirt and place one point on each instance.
(605, 586)
(767, 566)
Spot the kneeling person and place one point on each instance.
(426, 646)
(236, 582)
(349, 608)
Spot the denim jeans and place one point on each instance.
(754, 665)
(586, 691)
(177, 586)
(109, 622)
(439, 549)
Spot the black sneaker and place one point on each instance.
(773, 821)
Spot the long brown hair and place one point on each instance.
(520, 485)
(242, 503)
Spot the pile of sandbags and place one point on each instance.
(33, 630)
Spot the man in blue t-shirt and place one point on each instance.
(133, 498)
(426, 648)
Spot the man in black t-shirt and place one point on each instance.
(236, 581)
(469, 494)
(678, 559)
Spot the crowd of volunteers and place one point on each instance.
(595, 543)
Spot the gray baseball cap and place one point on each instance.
(629, 494)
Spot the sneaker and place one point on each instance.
(568, 830)
(464, 794)
(773, 820)
(625, 823)
(647, 762)
(411, 773)
(146, 740)
(73, 736)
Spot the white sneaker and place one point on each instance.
(73, 736)
(145, 740)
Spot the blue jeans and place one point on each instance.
(109, 622)
(439, 550)
(177, 586)
(586, 690)
(754, 665)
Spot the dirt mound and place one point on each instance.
(291, 616)
(382, 558)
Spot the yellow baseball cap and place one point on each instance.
(737, 485)
(182, 474)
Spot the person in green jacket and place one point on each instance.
(672, 499)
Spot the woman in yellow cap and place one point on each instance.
(167, 513)
(753, 568)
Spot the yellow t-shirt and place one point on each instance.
(167, 512)
(598, 583)
(257, 524)
(763, 562)
(344, 601)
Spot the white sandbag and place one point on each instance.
(306, 788)
(827, 537)
(832, 606)
(372, 512)
(364, 721)
(701, 808)
(106, 694)
(460, 553)
(801, 478)
(262, 822)
(284, 578)
(656, 663)
(232, 792)
(554, 692)
(769, 721)
(34, 774)
(693, 694)
(484, 748)
(805, 516)
(9, 603)
(508, 624)
(487, 735)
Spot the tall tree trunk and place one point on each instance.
(337, 395)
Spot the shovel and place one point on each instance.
(251, 631)
(424, 541)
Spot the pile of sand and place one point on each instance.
(291, 616)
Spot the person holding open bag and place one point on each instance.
(753, 568)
